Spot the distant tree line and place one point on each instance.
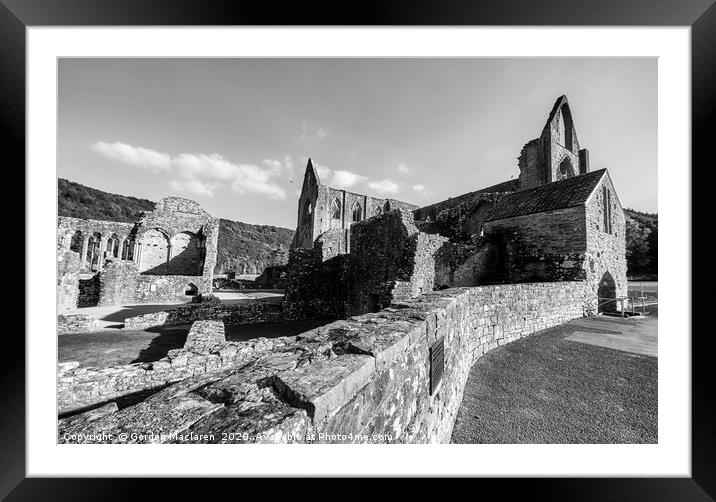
(642, 251)
(242, 247)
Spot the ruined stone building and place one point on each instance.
(327, 213)
(168, 255)
(558, 221)
(416, 295)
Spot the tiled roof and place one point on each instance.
(557, 195)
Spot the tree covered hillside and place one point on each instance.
(80, 201)
(243, 247)
(642, 237)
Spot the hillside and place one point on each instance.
(243, 247)
(642, 237)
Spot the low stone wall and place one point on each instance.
(372, 378)
(121, 283)
(231, 314)
(76, 323)
(82, 387)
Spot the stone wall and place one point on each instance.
(548, 246)
(316, 289)
(230, 314)
(80, 387)
(68, 280)
(121, 283)
(366, 379)
(89, 291)
(605, 257)
(167, 256)
(473, 264)
(76, 323)
(316, 213)
(388, 250)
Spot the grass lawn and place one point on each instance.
(545, 389)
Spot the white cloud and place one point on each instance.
(323, 172)
(311, 131)
(274, 166)
(194, 186)
(418, 188)
(199, 174)
(346, 179)
(385, 186)
(402, 168)
(135, 155)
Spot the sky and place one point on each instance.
(235, 134)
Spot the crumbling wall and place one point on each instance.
(118, 283)
(366, 379)
(68, 280)
(89, 291)
(76, 322)
(316, 289)
(230, 314)
(389, 259)
(548, 246)
(469, 264)
(122, 283)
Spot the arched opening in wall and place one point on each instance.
(336, 209)
(191, 290)
(154, 253)
(386, 207)
(186, 254)
(607, 294)
(113, 246)
(76, 241)
(307, 211)
(377, 211)
(128, 249)
(566, 170)
(476, 219)
(94, 245)
(565, 128)
(356, 212)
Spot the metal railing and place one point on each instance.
(626, 305)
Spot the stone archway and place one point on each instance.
(607, 293)
(476, 218)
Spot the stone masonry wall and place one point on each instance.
(605, 256)
(68, 280)
(316, 289)
(230, 314)
(389, 250)
(547, 246)
(361, 380)
(89, 291)
(121, 283)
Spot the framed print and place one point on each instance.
(414, 242)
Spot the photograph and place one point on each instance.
(357, 250)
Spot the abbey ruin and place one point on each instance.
(418, 294)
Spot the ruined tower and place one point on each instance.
(556, 154)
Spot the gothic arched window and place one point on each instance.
(565, 169)
(336, 209)
(356, 212)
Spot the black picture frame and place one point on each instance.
(700, 15)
